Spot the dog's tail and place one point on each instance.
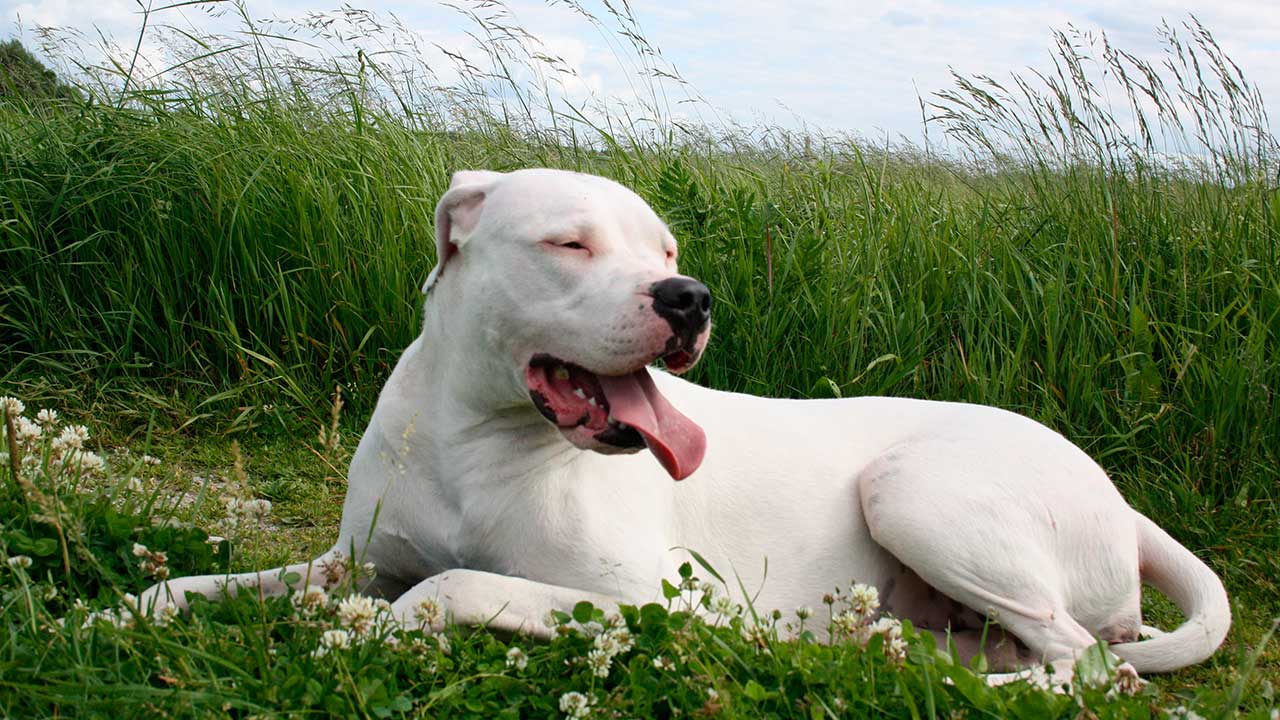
(1194, 588)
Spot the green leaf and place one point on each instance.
(702, 562)
(669, 591)
(755, 691)
(686, 571)
(582, 611)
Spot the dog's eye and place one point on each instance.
(570, 245)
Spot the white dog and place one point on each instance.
(504, 465)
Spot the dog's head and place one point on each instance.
(572, 278)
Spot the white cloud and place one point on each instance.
(836, 65)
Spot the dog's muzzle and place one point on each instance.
(685, 304)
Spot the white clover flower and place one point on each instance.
(140, 550)
(713, 694)
(90, 462)
(600, 662)
(864, 600)
(149, 460)
(575, 705)
(887, 626)
(1183, 713)
(724, 606)
(357, 613)
(309, 600)
(12, 405)
(27, 432)
(663, 663)
(442, 641)
(47, 418)
(335, 640)
(592, 629)
(516, 659)
(804, 612)
(622, 638)
(755, 634)
(164, 616)
(607, 644)
(19, 562)
(73, 437)
(215, 541)
(846, 622)
(428, 612)
(133, 485)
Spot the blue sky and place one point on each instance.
(839, 66)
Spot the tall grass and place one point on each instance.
(252, 225)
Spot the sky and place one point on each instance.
(832, 65)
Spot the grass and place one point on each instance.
(204, 256)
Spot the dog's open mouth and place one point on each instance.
(624, 411)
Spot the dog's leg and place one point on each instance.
(502, 603)
(957, 527)
(328, 570)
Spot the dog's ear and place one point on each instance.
(457, 214)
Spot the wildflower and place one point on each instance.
(442, 642)
(622, 638)
(149, 460)
(215, 541)
(592, 628)
(864, 600)
(600, 662)
(851, 625)
(19, 562)
(368, 570)
(575, 705)
(1183, 713)
(26, 432)
(90, 462)
(607, 644)
(713, 694)
(516, 659)
(804, 612)
(428, 612)
(309, 600)
(333, 640)
(755, 634)
(334, 569)
(133, 485)
(663, 663)
(12, 405)
(47, 418)
(153, 561)
(724, 606)
(1127, 681)
(357, 612)
(164, 616)
(73, 437)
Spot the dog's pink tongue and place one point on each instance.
(674, 439)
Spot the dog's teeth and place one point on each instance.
(578, 392)
(591, 402)
(562, 373)
(623, 426)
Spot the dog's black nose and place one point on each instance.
(683, 302)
